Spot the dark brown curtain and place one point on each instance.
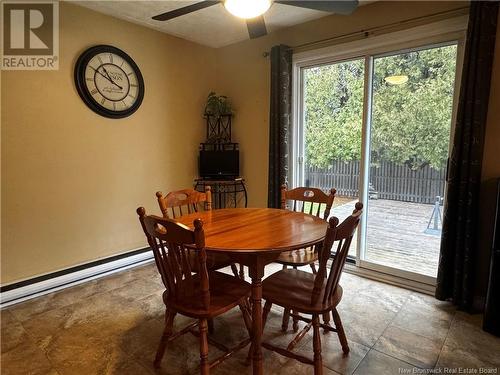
(279, 121)
(456, 276)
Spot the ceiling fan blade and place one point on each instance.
(256, 27)
(332, 6)
(185, 10)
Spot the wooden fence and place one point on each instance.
(387, 181)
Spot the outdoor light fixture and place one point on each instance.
(247, 8)
(396, 80)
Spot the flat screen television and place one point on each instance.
(224, 164)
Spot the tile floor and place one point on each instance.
(112, 326)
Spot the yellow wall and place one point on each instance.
(71, 179)
(244, 75)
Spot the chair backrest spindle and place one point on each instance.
(173, 203)
(308, 200)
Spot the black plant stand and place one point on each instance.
(225, 193)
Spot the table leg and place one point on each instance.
(257, 325)
(256, 264)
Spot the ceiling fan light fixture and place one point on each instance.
(247, 8)
(396, 80)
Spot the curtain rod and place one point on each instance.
(378, 30)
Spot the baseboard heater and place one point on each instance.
(37, 286)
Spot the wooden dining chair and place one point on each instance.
(202, 295)
(314, 294)
(185, 201)
(312, 201)
(188, 201)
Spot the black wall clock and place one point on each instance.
(109, 81)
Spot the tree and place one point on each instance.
(333, 114)
(410, 122)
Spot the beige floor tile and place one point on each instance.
(332, 354)
(333, 357)
(365, 317)
(379, 363)
(98, 318)
(425, 324)
(6, 318)
(148, 271)
(12, 332)
(362, 326)
(466, 334)
(376, 308)
(26, 358)
(230, 328)
(116, 280)
(152, 305)
(426, 304)
(131, 280)
(389, 297)
(95, 359)
(113, 326)
(141, 340)
(274, 335)
(138, 289)
(426, 316)
(409, 347)
(452, 358)
(181, 356)
(26, 310)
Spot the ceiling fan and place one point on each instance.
(252, 10)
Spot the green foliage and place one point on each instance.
(333, 114)
(410, 122)
(217, 105)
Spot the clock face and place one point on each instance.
(109, 81)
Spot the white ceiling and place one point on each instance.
(212, 26)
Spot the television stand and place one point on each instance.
(226, 193)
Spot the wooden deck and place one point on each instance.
(396, 234)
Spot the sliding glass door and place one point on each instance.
(412, 101)
(377, 129)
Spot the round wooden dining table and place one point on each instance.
(256, 237)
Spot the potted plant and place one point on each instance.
(218, 114)
(218, 105)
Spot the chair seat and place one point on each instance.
(226, 292)
(292, 289)
(215, 261)
(301, 257)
